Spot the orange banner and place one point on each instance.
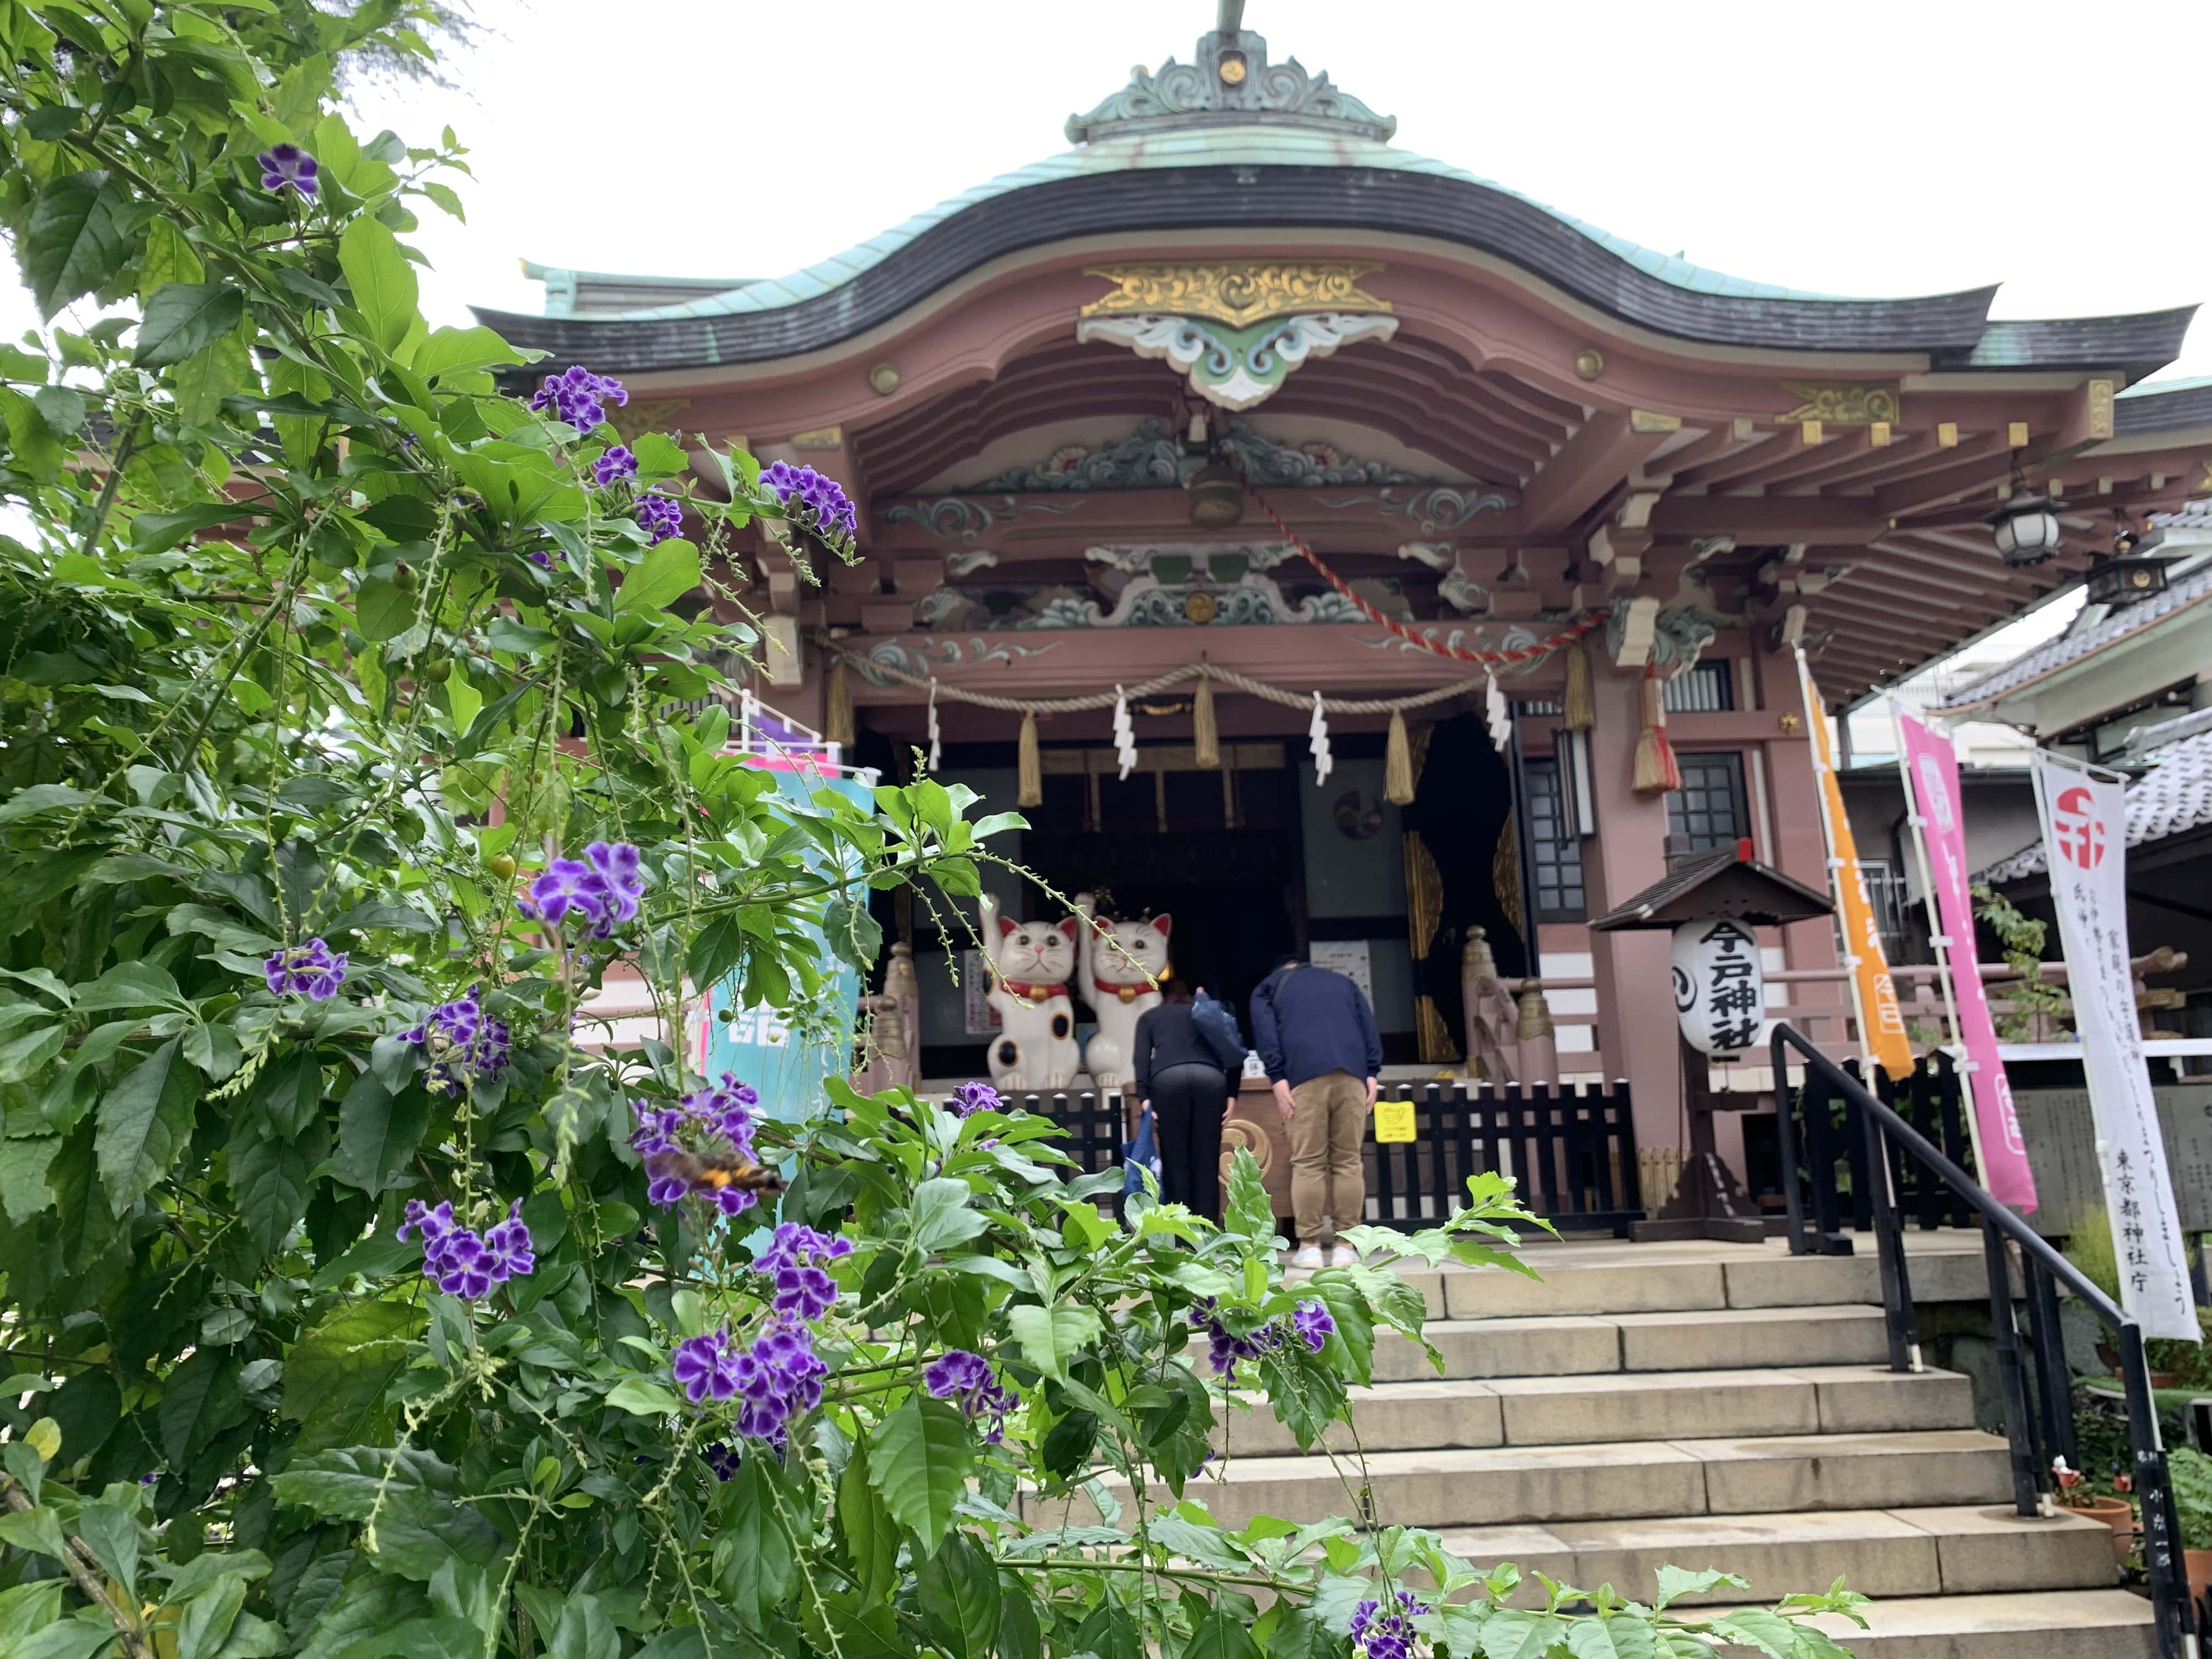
(1881, 1023)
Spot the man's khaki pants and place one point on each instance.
(1326, 1133)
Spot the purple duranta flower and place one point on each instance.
(617, 464)
(659, 515)
(287, 167)
(814, 502)
(312, 970)
(970, 1098)
(1313, 1322)
(579, 396)
(461, 1042)
(460, 1262)
(966, 1380)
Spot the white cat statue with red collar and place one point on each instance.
(1117, 972)
(1036, 1048)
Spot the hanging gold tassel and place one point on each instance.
(1656, 772)
(1580, 706)
(1204, 732)
(1028, 771)
(1398, 763)
(837, 716)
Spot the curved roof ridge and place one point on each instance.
(1215, 146)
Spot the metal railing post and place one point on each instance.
(1889, 1241)
(2054, 1384)
(2172, 1611)
(1785, 1143)
(2019, 1427)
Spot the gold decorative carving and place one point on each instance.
(1588, 364)
(1842, 403)
(821, 439)
(884, 379)
(640, 415)
(1201, 607)
(1425, 895)
(1237, 292)
(2100, 409)
(1650, 420)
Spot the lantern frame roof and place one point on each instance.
(1726, 883)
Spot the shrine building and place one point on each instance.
(1236, 415)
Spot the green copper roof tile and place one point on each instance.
(1262, 146)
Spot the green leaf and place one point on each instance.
(669, 570)
(208, 1617)
(79, 1637)
(940, 1217)
(1513, 1634)
(584, 1631)
(377, 1133)
(1619, 1636)
(184, 318)
(371, 1602)
(41, 797)
(753, 1560)
(202, 1570)
(268, 1182)
(918, 1458)
(1755, 1627)
(77, 239)
(144, 1120)
(383, 609)
(169, 257)
(61, 409)
(871, 1537)
(131, 985)
(418, 1525)
(200, 1400)
(642, 1398)
(23, 1190)
(203, 379)
(37, 452)
(335, 1377)
(461, 351)
(1676, 1583)
(112, 1532)
(957, 1591)
(382, 280)
(1221, 1636)
(1250, 1213)
(1051, 1337)
(157, 532)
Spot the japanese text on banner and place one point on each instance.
(2084, 836)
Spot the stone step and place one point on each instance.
(1724, 1339)
(1479, 1486)
(1641, 1279)
(1617, 1405)
(1947, 1550)
(2058, 1624)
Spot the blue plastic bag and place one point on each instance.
(1139, 1155)
(1217, 1025)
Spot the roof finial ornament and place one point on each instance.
(1230, 84)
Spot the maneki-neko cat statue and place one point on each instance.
(1118, 971)
(1036, 1048)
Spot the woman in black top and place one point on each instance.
(1178, 1077)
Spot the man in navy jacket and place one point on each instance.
(1316, 1035)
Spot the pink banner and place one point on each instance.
(1931, 774)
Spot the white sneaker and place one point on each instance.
(1309, 1256)
(1343, 1255)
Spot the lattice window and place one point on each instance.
(1553, 850)
(1709, 811)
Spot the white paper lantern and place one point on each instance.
(1719, 987)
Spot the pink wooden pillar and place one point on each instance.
(1634, 969)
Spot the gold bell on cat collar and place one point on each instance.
(1216, 497)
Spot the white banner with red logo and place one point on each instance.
(2084, 836)
(1931, 782)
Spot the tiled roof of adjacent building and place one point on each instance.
(2186, 591)
(2173, 797)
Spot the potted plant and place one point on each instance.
(2191, 1472)
(2116, 1512)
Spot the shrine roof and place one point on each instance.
(1263, 176)
(2172, 798)
(1726, 882)
(2183, 592)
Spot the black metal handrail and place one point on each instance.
(2035, 1437)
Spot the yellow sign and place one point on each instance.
(1881, 1023)
(1393, 1120)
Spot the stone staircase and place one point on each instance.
(1707, 1406)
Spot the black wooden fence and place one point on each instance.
(1832, 1152)
(1572, 1150)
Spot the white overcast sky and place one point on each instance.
(1865, 147)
